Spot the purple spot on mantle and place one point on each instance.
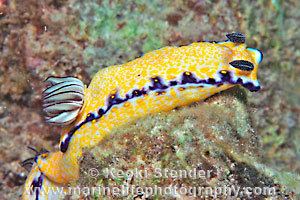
(251, 87)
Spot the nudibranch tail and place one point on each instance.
(63, 100)
(38, 187)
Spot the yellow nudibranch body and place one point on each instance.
(158, 81)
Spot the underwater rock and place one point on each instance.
(214, 137)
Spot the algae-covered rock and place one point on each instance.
(209, 144)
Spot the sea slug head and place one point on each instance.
(243, 66)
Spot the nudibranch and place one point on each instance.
(158, 81)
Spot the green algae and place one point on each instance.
(121, 25)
